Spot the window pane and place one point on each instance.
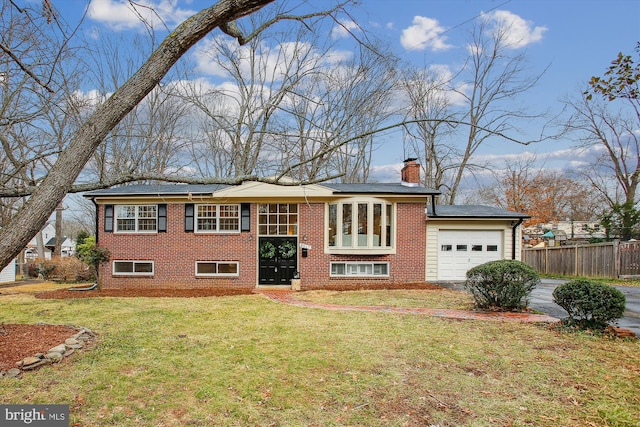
(207, 224)
(147, 225)
(389, 224)
(126, 224)
(146, 211)
(377, 224)
(227, 268)
(492, 248)
(446, 248)
(229, 224)
(143, 267)
(363, 224)
(476, 248)
(337, 269)
(206, 268)
(333, 225)
(123, 267)
(380, 269)
(461, 248)
(346, 225)
(126, 212)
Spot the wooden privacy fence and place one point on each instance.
(612, 260)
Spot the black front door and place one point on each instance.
(278, 260)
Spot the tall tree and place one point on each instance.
(606, 119)
(429, 115)
(494, 75)
(83, 143)
(547, 196)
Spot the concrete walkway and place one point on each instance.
(289, 297)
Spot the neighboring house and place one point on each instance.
(259, 234)
(68, 247)
(8, 274)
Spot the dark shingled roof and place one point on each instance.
(177, 189)
(473, 211)
(380, 188)
(154, 189)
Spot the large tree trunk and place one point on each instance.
(35, 212)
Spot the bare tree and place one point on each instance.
(430, 114)
(86, 139)
(496, 75)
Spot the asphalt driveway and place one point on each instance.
(542, 300)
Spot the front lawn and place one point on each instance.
(245, 360)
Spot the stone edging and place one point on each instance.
(76, 342)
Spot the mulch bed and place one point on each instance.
(216, 292)
(128, 292)
(20, 341)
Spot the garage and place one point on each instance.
(460, 250)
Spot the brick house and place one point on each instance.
(258, 234)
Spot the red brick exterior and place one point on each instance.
(406, 265)
(175, 252)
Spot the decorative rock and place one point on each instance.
(12, 373)
(54, 356)
(28, 361)
(58, 349)
(35, 365)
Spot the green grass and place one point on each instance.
(605, 280)
(244, 360)
(444, 298)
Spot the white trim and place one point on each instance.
(370, 248)
(136, 219)
(358, 274)
(133, 273)
(236, 274)
(217, 217)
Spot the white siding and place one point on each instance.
(434, 226)
(8, 274)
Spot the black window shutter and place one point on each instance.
(188, 217)
(108, 218)
(245, 217)
(162, 218)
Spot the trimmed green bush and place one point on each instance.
(503, 284)
(590, 305)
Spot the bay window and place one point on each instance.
(360, 225)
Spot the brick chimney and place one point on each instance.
(411, 172)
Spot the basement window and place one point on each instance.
(217, 268)
(133, 268)
(366, 269)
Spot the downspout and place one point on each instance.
(433, 205)
(93, 200)
(513, 238)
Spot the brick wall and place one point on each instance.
(405, 266)
(175, 252)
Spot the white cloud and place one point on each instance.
(519, 32)
(121, 15)
(425, 33)
(344, 30)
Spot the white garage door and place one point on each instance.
(460, 250)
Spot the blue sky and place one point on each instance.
(575, 39)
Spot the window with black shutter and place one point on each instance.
(188, 217)
(162, 218)
(108, 218)
(245, 217)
